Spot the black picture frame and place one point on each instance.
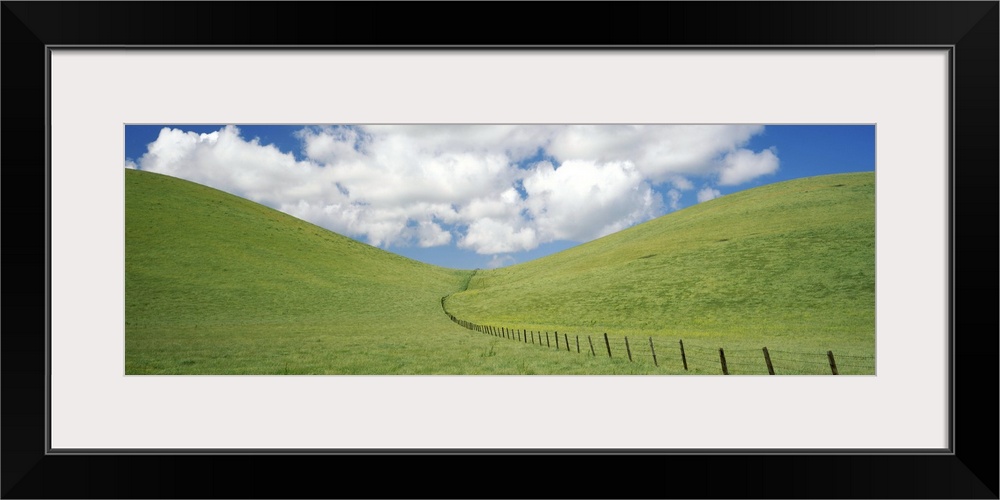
(969, 470)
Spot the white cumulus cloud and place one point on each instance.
(674, 197)
(744, 165)
(583, 199)
(708, 193)
(499, 261)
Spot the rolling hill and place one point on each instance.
(218, 284)
(787, 264)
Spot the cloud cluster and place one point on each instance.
(708, 193)
(488, 188)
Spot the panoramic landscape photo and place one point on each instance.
(499, 249)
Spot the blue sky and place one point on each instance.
(480, 196)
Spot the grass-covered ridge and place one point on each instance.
(787, 265)
(218, 284)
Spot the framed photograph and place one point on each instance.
(116, 381)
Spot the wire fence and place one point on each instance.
(691, 356)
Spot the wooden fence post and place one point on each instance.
(628, 349)
(557, 340)
(653, 351)
(722, 358)
(592, 353)
(767, 359)
(608, 344)
(683, 357)
(566, 338)
(532, 338)
(547, 344)
(578, 344)
(833, 364)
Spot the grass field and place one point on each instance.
(790, 266)
(215, 284)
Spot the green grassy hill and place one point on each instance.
(215, 284)
(789, 265)
(218, 284)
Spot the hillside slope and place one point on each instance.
(218, 284)
(790, 264)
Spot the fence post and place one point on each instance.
(547, 344)
(683, 357)
(566, 338)
(833, 364)
(592, 353)
(525, 337)
(557, 340)
(767, 359)
(722, 357)
(608, 344)
(532, 338)
(628, 349)
(578, 344)
(653, 351)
